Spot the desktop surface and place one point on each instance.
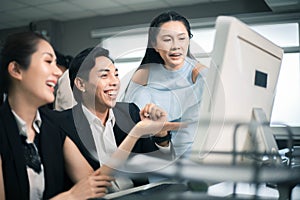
(150, 191)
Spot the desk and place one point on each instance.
(185, 169)
(225, 189)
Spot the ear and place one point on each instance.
(14, 70)
(79, 83)
(153, 44)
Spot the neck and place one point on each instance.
(173, 68)
(100, 112)
(24, 110)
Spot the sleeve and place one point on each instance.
(64, 96)
(134, 112)
(165, 149)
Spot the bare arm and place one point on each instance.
(121, 154)
(93, 186)
(154, 122)
(76, 165)
(2, 192)
(89, 183)
(141, 75)
(197, 69)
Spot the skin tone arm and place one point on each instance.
(89, 183)
(197, 69)
(153, 121)
(2, 193)
(123, 151)
(141, 75)
(72, 162)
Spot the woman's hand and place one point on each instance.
(93, 186)
(154, 122)
(153, 112)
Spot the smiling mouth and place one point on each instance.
(111, 93)
(175, 55)
(50, 84)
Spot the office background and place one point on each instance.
(72, 25)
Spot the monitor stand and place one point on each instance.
(266, 134)
(262, 141)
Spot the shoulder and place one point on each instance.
(51, 124)
(197, 70)
(141, 75)
(59, 119)
(54, 115)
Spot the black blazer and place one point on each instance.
(13, 164)
(76, 126)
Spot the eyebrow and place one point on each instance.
(107, 70)
(181, 34)
(50, 54)
(168, 35)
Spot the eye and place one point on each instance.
(102, 75)
(182, 38)
(167, 40)
(117, 74)
(49, 61)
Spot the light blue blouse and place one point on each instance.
(175, 92)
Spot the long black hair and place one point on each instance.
(151, 56)
(18, 48)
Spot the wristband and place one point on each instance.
(162, 139)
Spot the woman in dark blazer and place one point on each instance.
(34, 152)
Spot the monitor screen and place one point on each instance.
(242, 77)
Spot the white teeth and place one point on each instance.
(51, 84)
(112, 93)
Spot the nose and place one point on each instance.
(114, 81)
(175, 44)
(56, 71)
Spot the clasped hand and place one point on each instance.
(154, 122)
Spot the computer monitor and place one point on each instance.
(240, 86)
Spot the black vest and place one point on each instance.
(13, 164)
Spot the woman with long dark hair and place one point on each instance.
(169, 76)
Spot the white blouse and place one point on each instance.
(36, 180)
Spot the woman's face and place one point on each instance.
(39, 79)
(103, 84)
(172, 43)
